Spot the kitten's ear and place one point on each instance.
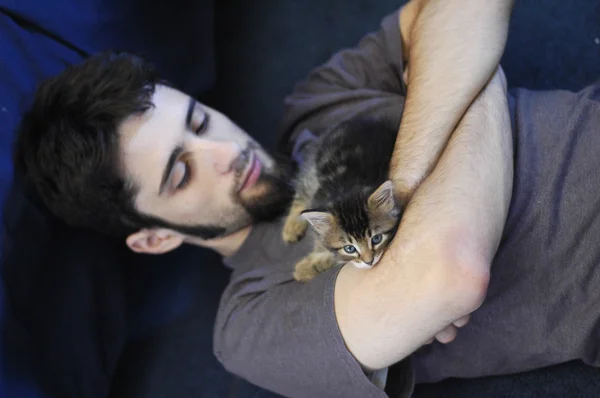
(321, 221)
(382, 200)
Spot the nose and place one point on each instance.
(222, 154)
(368, 259)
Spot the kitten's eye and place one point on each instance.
(377, 239)
(350, 249)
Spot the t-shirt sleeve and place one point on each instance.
(283, 336)
(369, 73)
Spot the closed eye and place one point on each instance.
(203, 125)
(196, 118)
(186, 176)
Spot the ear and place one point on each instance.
(382, 200)
(321, 221)
(154, 241)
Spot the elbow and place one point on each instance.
(230, 357)
(465, 277)
(467, 287)
(226, 347)
(220, 349)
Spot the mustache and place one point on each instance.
(285, 167)
(240, 163)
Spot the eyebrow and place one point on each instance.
(169, 167)
(190, 113)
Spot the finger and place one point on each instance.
(405, 76)
(447, 335)
(462, 321)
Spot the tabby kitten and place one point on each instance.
(343, 193)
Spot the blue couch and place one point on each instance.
(81, 316)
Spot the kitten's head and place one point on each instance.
(359, 226)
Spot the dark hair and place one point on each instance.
(68, 143)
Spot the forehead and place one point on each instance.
(158, 124)
(146, 140)
(353, 215)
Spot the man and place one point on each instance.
(110, 149)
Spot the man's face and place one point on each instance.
(195, 169)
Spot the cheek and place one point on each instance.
(226, 130)
(205, 197)
(223, 129)
(347, 257)
(208, 182)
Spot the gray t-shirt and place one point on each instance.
(541, 307)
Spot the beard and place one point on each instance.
(276, 193)
(271, 198)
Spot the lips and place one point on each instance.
(252, 174)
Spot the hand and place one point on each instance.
(448, 334)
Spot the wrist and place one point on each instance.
(403, 190)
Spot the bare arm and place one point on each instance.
(452, 48)
(437, 268)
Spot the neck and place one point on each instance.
(226, 246)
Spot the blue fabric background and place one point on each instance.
(63, 307)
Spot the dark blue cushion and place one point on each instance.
(26, 58)
(176, 35)
(65, 297)
(66, 307)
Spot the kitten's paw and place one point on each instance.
(304, 275)
(294, 229)
(305, 270)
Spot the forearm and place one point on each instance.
(436, 269)
(453, 49)
(471, 186)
